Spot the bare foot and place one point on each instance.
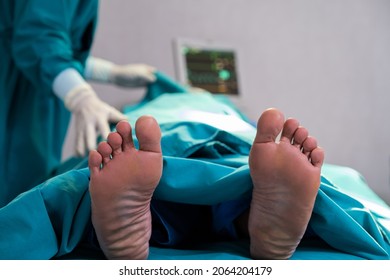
(123, 180)
(286, 178)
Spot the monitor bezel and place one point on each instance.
(205, 44)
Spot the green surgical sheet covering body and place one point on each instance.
(204, 163)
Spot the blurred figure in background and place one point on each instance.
(45, 64)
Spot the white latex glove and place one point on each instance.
(91, 115)
(130, 75)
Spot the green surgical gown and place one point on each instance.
(38, 40)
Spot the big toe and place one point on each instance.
(269, 126)
(149, 134)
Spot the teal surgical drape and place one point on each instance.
(203, 165)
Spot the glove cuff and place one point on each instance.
(66, 81)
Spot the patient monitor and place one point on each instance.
(207, 65)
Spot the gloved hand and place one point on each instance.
(131, 75)
(91, 117)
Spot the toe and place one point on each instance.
(115, 141)
(124, 130)
(300, 136)
(289, 129)
(94, 162)
(309, 145)
(317, 156)
(105, 151)
(269, 126)
(149, 134)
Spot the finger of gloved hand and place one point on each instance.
(115, 116)
(80, 142)
(140, 69)
(147, 71)
(90, 136)
(103, 127)
(133, 75)
(150, 77)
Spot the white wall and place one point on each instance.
(325, 62)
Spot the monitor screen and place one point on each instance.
(208, 66)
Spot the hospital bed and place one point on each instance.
(349, 220)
